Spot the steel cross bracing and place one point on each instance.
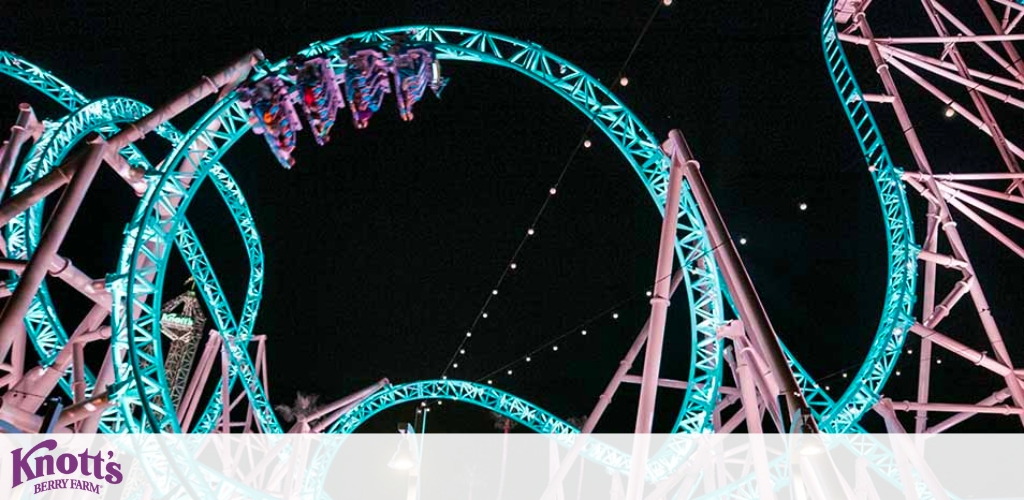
(153, 228)
(45, 330)
(218, 131)
(981, 95)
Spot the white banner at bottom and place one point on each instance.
(517, 466)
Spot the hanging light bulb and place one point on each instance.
(554, 348)
(623, 81)
(490, 382)
(530, 231)
(512, 266)
(485, 315)
(469, 334)
(743, 241)
(615, 315)
(494, 292)
(649, 293)
(587, 143)
(803, 207)
(666, 3)
(845, 375)
(455, 365)
(552, 191)
(584, 332)
(462, 351)
(950, 112)
(527, 359)
(510, 372)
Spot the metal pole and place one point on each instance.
(16, 306)
(656, 333)
(605, 399)
(751, 311)
(20, 133)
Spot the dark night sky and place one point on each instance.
(381, 246)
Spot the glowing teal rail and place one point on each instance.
(155, 221)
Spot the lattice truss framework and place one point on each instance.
(965, 68)
(145, 393)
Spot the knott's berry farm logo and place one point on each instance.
(36, 464)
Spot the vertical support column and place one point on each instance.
(751, 311)
(656, 332)
(225, 385)
(16, 306)
(927, 308)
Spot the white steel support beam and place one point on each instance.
(656, 332)
(751, 311)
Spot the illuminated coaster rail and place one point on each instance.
(358, 64)
(150, 225)
(57, 350)
(315, 79)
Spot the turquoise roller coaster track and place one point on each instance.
(160, 222)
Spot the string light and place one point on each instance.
(510, 372)
(462, 351)
(553, 189)
(552, 343)
(827, 388)
(455, 365)
(615, 315)
(490, 382)
(666, 3)
(910, 351)
(743, 241)
(803, 207)
(649, 293)
(423, 403)
(950, 112)
(938, 360)
(898, 373)
(845, 375)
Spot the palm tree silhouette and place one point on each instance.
(304, 405)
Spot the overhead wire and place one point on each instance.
(583, 142)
